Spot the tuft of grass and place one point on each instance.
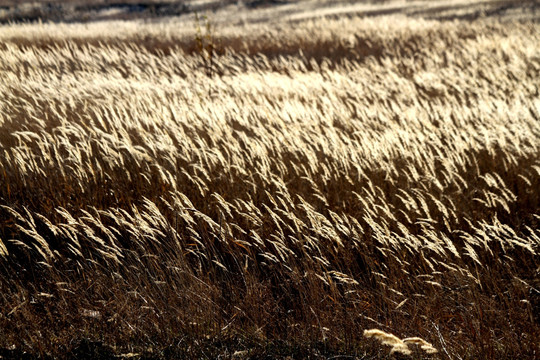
(399, 345)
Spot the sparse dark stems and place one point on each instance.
(206, 43)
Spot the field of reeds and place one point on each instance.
(181, 189)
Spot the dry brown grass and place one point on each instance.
(330, 176)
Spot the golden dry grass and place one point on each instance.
(303, 183)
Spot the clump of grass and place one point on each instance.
(399, 345)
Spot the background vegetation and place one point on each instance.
(270, 190)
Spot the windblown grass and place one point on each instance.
(326, 177)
